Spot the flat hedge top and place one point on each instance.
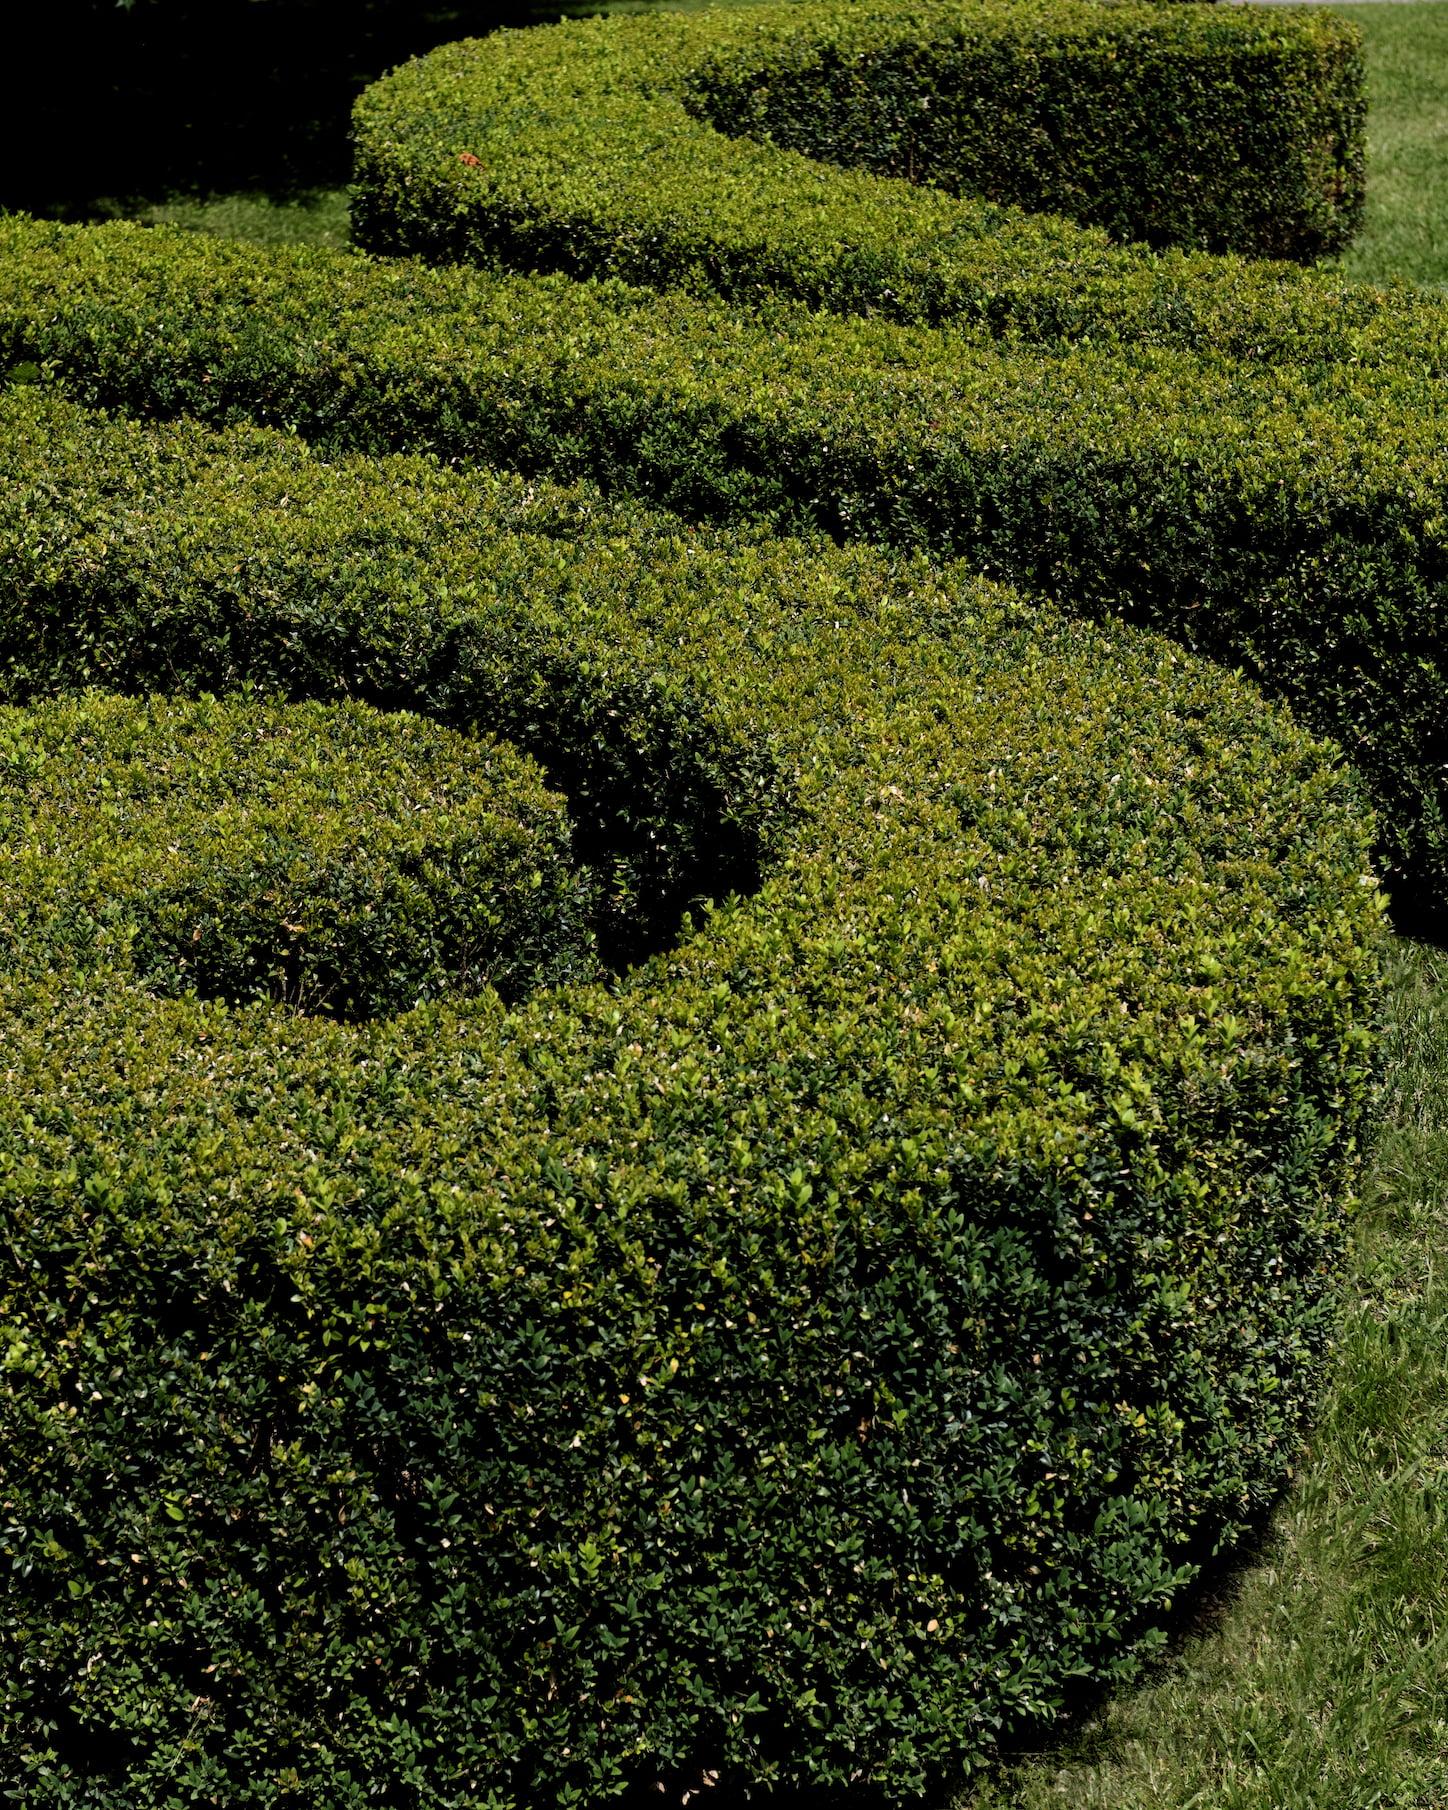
(328, 856)
(899, 1199)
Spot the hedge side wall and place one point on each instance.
(798, 1360)
(682, 150)
(1286, 520)
(1221, 129)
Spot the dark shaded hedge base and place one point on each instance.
(802, 1358)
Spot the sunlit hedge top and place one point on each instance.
(326, 856)
(703, 149)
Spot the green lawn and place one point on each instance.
(1404, 235)
(1317, 1677)
(315, 217)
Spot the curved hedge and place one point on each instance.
(800, 1359)
(830, 1339)
(1284, 517)
(633, 146)
(329, 857)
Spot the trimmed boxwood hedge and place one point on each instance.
(1285, 517)
(796, 1361)
(328, 856)
(633, 146)
(819, 1348)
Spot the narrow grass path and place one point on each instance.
(313, 217)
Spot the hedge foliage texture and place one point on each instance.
(801, 1357)
(1282, 514)
(327, 857)
(684, 147)
(806, 1206)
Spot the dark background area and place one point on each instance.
(99, 99)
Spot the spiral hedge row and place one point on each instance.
(802, 1358)
(815, 1321)
(331, 858)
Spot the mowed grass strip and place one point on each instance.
(308, 217)
(1403, 235)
